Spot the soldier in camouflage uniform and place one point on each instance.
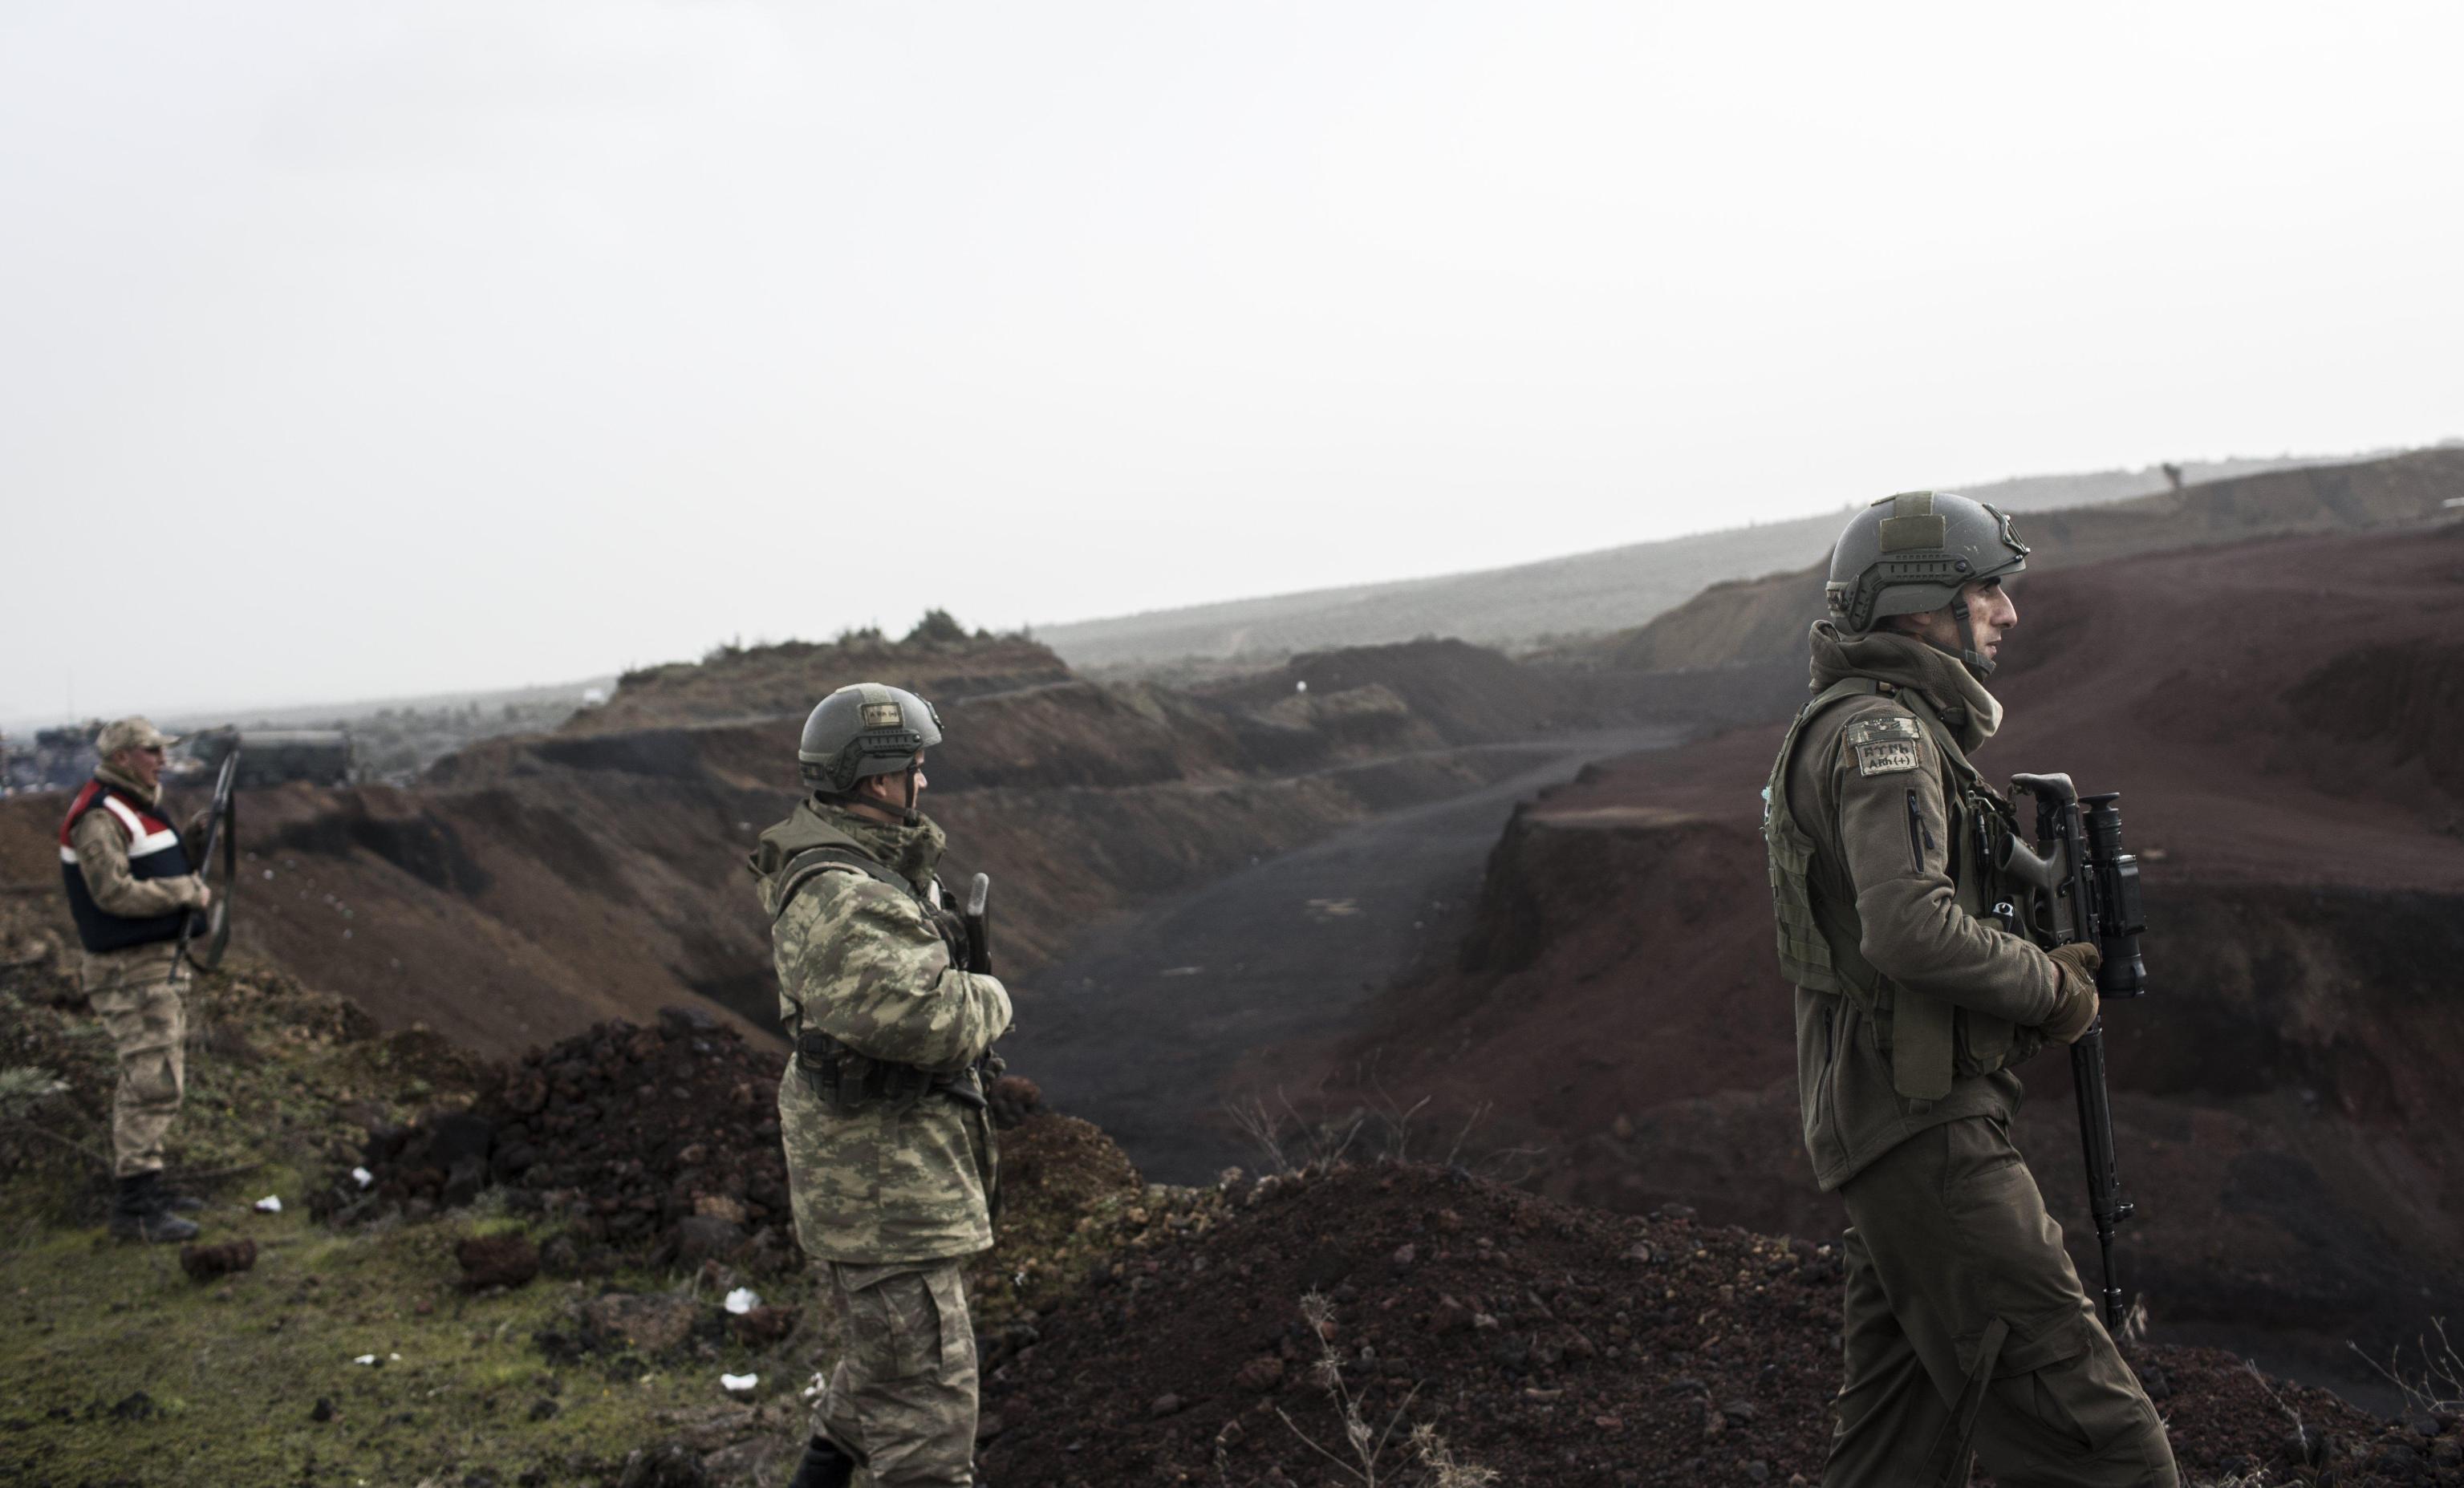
(1965, 1327)
(130, 889)
(890, 1156)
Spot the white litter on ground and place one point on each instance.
(813, 1391)
(365, 1359)
(271, 1204)
(742, 1300)
(362, 1177)
(738, 1384)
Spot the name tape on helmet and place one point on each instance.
(883, 715)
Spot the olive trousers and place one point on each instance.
(138, 993)
(902, 1398)
(1966, 1333)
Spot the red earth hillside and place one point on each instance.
(2284, 721)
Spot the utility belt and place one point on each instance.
(850, 1082)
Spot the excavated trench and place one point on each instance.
(1154, 1022)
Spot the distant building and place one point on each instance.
(278, 756)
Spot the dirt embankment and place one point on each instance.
(764, 680)
(2282, 718)
(530, 887)
(1540, 1342)
(1757, 620)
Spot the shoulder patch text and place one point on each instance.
(1888, 757)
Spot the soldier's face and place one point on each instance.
(144, 766)
(1991, 611)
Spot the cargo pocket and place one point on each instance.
(150, 1077)
(1986, 1044)
(2078, 1396)
(894, 1326)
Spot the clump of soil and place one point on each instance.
(206, 1262)
(1546, 1343)
(658, 1143)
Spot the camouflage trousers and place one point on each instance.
(1966, 1328)
(139, 994)
(902, 1399)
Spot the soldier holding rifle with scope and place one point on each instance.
(1933, 949)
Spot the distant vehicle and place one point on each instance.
(278, 756)
(58, 759)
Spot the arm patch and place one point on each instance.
(1884, 744)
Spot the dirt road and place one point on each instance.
(1146, 1024)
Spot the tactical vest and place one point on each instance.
(845, 1079)
(1932, 1043)
(154, 852)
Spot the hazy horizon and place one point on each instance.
(359, 355)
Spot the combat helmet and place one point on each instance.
(865, 730)
(1915, 553)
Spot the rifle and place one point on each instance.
(222, 824)
(2086, 889)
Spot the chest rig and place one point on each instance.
(847, 1081)
(1930, 1042)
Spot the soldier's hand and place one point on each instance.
(205, 894)
(2075, 1013)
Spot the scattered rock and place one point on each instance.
(701, 1238)
(1164, 1405)
(762, 1326)
(718, 1206)
(670, 1465)
(1261, 1375)
(496, 1260)
(205, 1263)
(685, 1022)
(322, 1410)
(543, 1410)
(136, 1407)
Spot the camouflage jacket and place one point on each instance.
(866, 963)
(1884, 882)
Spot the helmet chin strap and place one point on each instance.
(1970, 656)
(915, 768)
(858, 796)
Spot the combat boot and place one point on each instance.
(137, 1212)
(825, 1466)
(172, 1199)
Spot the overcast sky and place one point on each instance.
(361, 350)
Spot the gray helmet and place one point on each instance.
(1913, 554)
(864, 729)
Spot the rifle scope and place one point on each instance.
(2118, 917)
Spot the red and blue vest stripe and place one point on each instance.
(154, 851)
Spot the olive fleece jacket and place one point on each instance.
(1881, 882)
